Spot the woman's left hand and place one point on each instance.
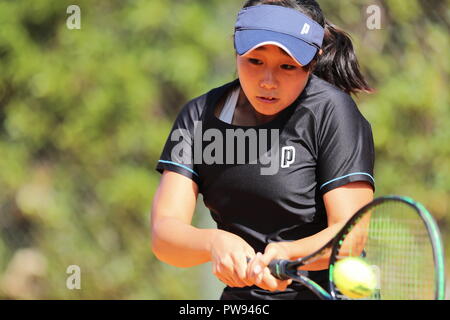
(258, 271)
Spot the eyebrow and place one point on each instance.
(281, 50)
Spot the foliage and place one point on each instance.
(84, 115)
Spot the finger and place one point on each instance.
(269, 254)
(245, 270)
(286, 283)
(279, 285)
(248, 269)
(220, 272)
(251, 256)
(255, 267)
(229, 281)
(231, 267)
(245, 274)
(266, 281)
(260, 278)
(260, 283)
(283, 284)
(238, 281)
(240, 266)
(225, 281)
(270, 281)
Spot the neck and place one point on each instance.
(251, 112)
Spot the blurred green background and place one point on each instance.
(84, 115)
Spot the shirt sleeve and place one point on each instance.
(346, 148)
(178, 152)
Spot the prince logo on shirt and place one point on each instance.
(287, 156)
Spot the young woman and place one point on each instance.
(313, 167)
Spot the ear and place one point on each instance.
(320, 52)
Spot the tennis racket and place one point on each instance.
(397, 237)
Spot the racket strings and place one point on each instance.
(399, 250)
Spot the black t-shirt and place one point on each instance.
(268, 184)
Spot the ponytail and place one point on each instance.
(338, 63)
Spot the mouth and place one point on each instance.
(268, 99)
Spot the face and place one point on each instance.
(270, 78)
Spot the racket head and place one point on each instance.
(400, 240)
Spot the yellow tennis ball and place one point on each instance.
(354, 277)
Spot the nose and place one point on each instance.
(268, 82)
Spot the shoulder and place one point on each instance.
(328, 103)
(194, 109)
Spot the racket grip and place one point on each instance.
(278, 269)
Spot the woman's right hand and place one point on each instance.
(229, 254)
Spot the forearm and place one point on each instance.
(306, 246)
(180, 244)
(341, 203)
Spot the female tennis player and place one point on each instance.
(291, 106)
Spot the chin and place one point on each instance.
(268, 110)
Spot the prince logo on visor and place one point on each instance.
(297, 34)
(305, 29)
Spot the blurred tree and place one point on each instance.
(84, 115)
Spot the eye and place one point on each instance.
(288, 67)
(255, 61)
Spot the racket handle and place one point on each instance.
(278, 269)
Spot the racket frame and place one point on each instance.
(287, 269)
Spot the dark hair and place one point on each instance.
(338, 63)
